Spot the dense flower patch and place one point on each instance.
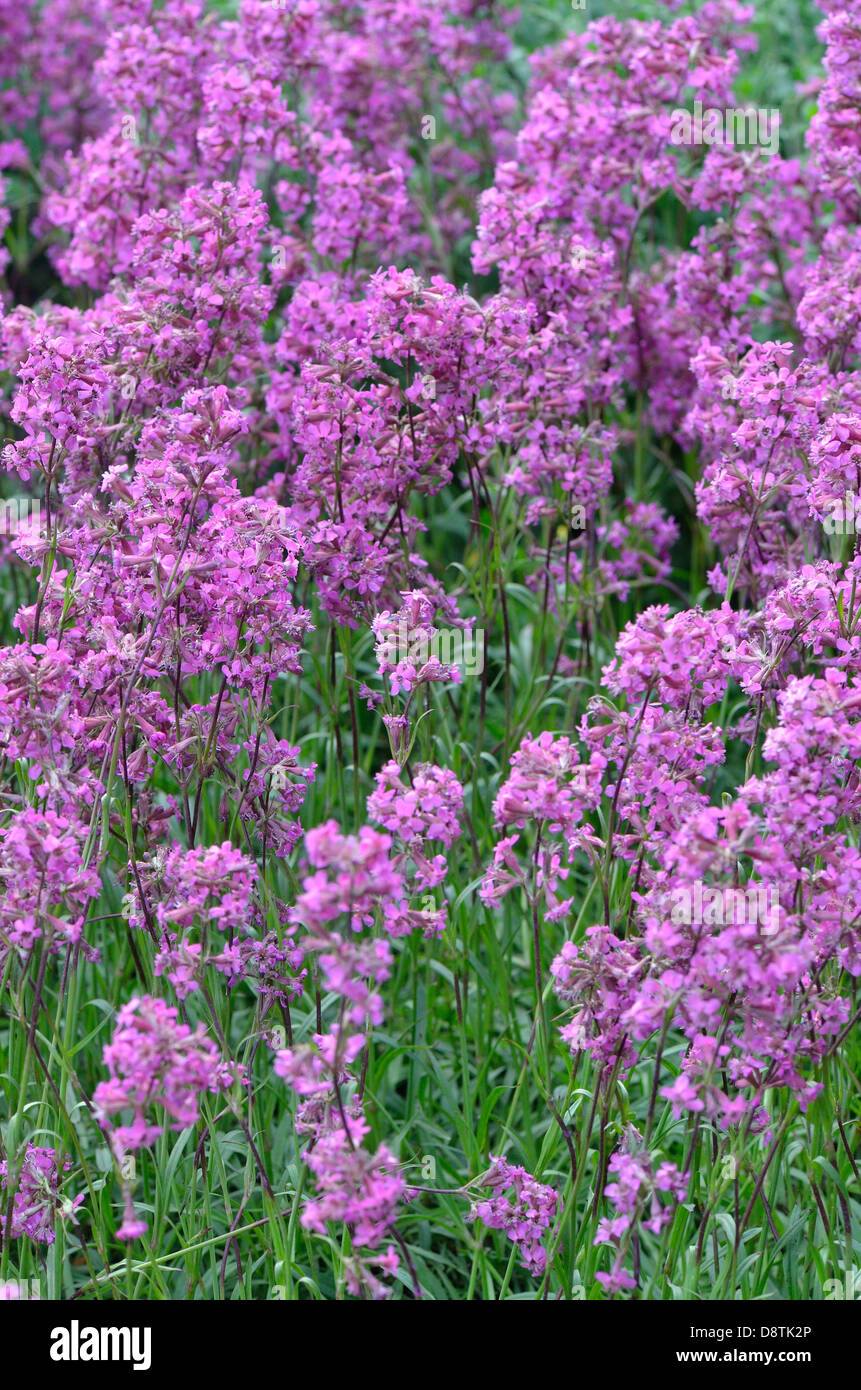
(430, 691)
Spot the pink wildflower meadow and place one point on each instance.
(430, 668)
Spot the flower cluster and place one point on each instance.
(634, 1193)
(521, 1207)
(38, 1201)
(157, 1069)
